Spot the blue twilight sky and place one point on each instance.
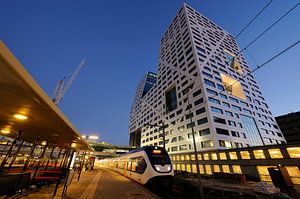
(121, 41)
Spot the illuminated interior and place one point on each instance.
(233, 156)
(275, 153)
(225, 168)
(245, 155)
(294, 152)
(223, 156)
(214, 156)
(233, 87)
(259, 154)
(236, 169)
(234, 63)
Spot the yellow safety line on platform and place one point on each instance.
(91, 189)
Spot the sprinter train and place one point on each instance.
(149, 165)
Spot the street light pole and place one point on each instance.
(195, 148)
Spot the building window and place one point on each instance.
(233, 87)
(294, 152)
(209, 83)
(204, 132)
(264, 173)
(213, 100)
(206, 156)
(294, 173)
(259, 154)
(225, 168)
(208, 169)
(207, 144)
(245, 155)
(223, 156)
(219, 120)
(216, 168)
(214, 156)
(224, 143)
(275, 153)
(171, 99)
(233, 156)
(216, 110)
(201, 110)
(202, 121)
(236, 169)
(222, 131)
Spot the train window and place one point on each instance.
(141, 165)
(128, 165)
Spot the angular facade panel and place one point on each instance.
(205, 83)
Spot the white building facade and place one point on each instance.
(204, 82)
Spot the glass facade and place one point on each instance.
(253, 133)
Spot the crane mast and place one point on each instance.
(62, 87)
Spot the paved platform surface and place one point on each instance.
(102, 184)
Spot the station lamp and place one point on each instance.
(20, 117)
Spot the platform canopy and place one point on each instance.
(24, 105)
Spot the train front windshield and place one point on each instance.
(158, 156)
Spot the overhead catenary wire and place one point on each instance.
(253, 19)
(271, 26)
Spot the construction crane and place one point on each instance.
(62, 87)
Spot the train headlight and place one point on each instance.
(169, 168)
(157, 168)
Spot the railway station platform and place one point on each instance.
(98, 184)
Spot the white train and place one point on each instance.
(149, 165)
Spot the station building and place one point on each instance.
(203, 82)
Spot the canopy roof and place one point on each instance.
(20, 94)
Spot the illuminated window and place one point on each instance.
(245, 155)
(294, 152)
(208, 169)
(201, 168)
(216, 168)
(188, 168)
(175, 166)
(214, 156)
(192, 157)
(233, 156)
(236, 169)
(294, 173)
(223, 156)
(233, 86)
(187, 157)
(264, 173)
(182, 157)
(275, 153)
(225, 168)
(259, 154)
(232, 60)
(206, 156)
(199, 157)
(177, 157)
(182, 167)
(194, 168)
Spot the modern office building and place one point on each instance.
(290, 126)
(203, 83)
(144, 86)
